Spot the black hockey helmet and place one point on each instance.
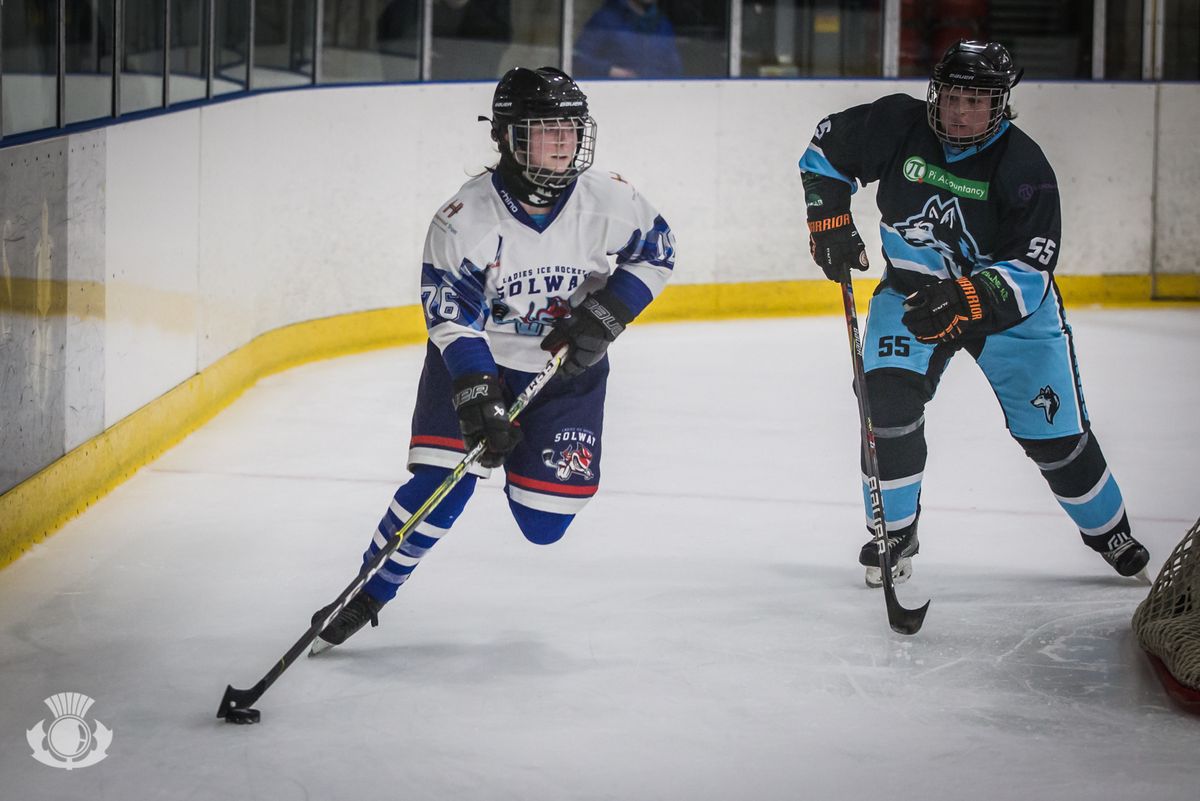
(526, 100)
(546, 92)
(983, 64)
(985, 69)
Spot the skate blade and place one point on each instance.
(900, 573)
(319, 646)
(1142, 577)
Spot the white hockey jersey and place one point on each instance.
(490, 273)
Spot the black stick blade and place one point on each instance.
(904, 621)
(235, 703)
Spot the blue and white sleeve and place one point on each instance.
(646, 261)
(815, 161)
(856, 145)
(454, 300)
(1024, 263)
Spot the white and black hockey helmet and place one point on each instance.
(986, 69)
(526, 100)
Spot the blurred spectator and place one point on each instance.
(627, 39)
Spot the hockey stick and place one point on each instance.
(235, 705)
(902, 621)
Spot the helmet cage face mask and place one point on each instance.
(979, 76)
(996, 97)
(526, 136)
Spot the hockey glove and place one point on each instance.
(588, 330)
(832, 238)
(836, 246)
(944, 311)
(483, 416)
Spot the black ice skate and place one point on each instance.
(1126, 555)
(354, 615)
(901, 549)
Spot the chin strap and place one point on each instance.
(521, 187)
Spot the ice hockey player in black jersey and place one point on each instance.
(970, 228)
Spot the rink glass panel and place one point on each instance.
(1181, 35)
(231, 36)
(807, 38)
(701, 32)
(188, 54)
(28, 66)
(88, 44)
(166, 46)
(371, 41)
(283, 43)
(142, 55)
(1050, 40)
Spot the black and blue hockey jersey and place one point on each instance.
(947, 213)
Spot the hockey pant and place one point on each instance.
(549, 477)
(1032, 371)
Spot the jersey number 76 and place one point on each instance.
(440, 303)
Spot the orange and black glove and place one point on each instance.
(946, 310)
(833, 240)
(836, 246)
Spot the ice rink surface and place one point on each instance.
(702, 632)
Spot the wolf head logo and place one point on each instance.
(939, 225)
(1047, 400)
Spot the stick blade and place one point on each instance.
(905, 621)
(236, 703)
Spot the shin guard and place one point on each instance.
(1078, 475)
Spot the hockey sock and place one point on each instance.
(540, 528)
(899, 427)
(1078, 475)
(901, 451)
(400, 565)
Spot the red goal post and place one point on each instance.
(1167, 622)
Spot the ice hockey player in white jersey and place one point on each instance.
(533, 254)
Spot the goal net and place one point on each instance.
(1167, 623)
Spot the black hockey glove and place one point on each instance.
(945, 311)
(836, 246)
(832, 238)
(588, 330)
(483, 416)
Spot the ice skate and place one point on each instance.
(361, 609)
(1126, 555)
(901, 549)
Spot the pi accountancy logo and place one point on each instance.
(919, 171)
(69, 742)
